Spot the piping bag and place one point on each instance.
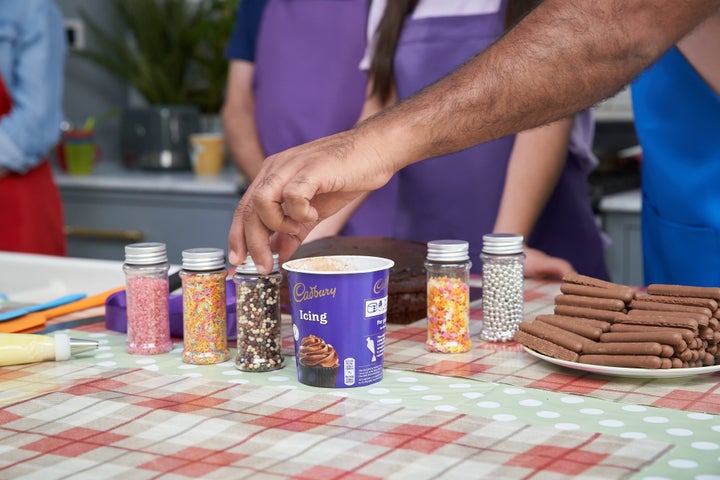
(20, 348)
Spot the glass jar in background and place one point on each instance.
(259, 337)
(203, 277)
(146, 287)
(448, 296)
(503, 262)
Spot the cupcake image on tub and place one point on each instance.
(318, 362)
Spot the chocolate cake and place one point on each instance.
(407, 292)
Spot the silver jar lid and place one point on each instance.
(147, 253)
(203, 259)
(448, 250)
(248, 266)
(502, 243)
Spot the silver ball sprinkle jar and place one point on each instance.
(503, 262)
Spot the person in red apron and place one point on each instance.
(31, 217)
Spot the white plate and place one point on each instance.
(627, 372)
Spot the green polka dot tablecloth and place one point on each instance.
(694, 437)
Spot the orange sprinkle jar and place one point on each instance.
(448, 296)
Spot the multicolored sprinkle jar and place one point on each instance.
(448, 296)
(259, 339)
(204, 310)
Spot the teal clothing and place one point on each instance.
(677, 117)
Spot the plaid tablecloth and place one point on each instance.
(139, 424)
(493, 412)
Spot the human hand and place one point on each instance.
(298, 188)
(538, 264)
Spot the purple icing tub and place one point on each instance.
(339, 308)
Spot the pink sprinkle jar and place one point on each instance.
(147, 289)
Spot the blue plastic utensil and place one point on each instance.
(41, 306)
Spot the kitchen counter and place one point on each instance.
(626, 202)
(115, 206)
(109, 175)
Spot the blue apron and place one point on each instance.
(458, 195)
(677, 119)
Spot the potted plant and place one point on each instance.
(172, 53)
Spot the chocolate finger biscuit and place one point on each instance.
(626, 348)
(674, 339)
(706, 333)
(623, 294)
(604, 316)
(702, 320)
(660, 321)
(543, 346)
(589, 281)
(612, 304)
(684, 291)
(687, 334)
(638, 304)
(575, 325)
(551, 333)
(628, 361)
(673, 300)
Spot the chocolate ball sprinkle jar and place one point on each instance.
(259, 338)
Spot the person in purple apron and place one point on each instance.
(465, 195)
(676, 105)
(294, 77)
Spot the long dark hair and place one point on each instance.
(388, 34)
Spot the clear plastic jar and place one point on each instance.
(146, 287)
(259, 337)
(503, 286)
(448, 296)
(204, 309)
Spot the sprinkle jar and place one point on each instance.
(448, 296)
(203, 277)
(259, 339)
(146, 287)
(503, 280)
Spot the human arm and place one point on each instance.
(238, 115)
(536, 162)
(335, 223)
(238, 111)
(562, 57)
(32, 64)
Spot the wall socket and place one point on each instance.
(75, 33)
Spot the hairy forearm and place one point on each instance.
(564, 56)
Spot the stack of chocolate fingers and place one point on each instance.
(604, 323)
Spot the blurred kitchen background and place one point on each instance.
(134, 195)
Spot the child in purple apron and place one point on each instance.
(306, 82)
